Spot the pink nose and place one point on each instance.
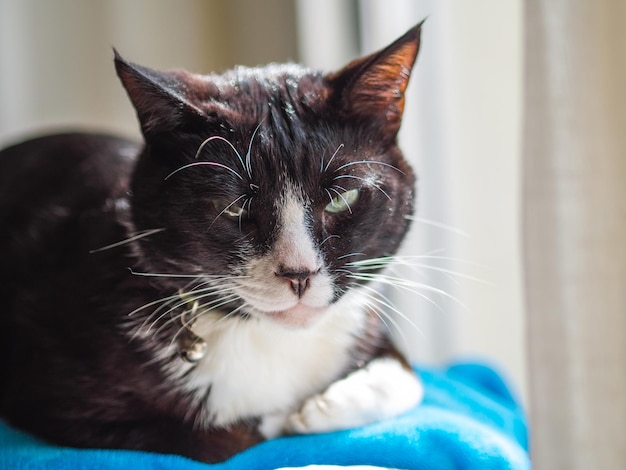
(299, 280)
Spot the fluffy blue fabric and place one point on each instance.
(468, 420)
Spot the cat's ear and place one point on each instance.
(161, 99)
(372, 87)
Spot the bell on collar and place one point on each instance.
(192, 348)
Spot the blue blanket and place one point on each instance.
(468, 420)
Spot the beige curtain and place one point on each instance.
(574, 167)
(56, 69)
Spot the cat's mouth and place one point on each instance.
(298, 316)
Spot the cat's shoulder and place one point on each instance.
(66, 162)
(68, 147)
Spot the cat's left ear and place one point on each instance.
(160, 98)
(372, 87)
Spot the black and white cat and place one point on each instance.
(212, 287)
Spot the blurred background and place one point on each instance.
(461, 131)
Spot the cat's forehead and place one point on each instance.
(279, 120)
(272, 78)
(255, 92)
(275, 111)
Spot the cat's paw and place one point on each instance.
(380, 390)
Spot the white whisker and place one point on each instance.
(385, 318)
(332, 158)
(201, 311)
(153, 303)
(142, 234)
(367, 183)
(367, 162)
(225, 209)
(186, 301)
(173, 276)
(329, 238)
(383, 300)
(439, 225)
(203, 163)
(343, 199)
(348, 255)
(220, 138)
(412, 263)
(248, 154)
(232, 313)
(330, 196)
(404, 284)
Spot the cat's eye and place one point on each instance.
(343, 202)
(231, 211)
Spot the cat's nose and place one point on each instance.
(299, 280)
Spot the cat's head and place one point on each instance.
(273, 184)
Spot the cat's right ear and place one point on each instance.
(372, 87)
(159, 98)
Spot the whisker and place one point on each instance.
(248, 154)
(430, 255)
(348, 255)
(187, 301)
(142, 234)
(232, 313)
(225, 209)
(153, 322)
(370, 303)
(413, 263)
(190, 321)
(330, 196)
(243, 210)
(332, 158)
(406, 285)
(186, 295)
(383, 300)
(368, 183)
(344, 271)
(173, 276)
(153, 303)
(387, 319)
(182, 300)
(373, 162)
(371, 263)
(436, 224)
(216, 304)
(203, 163)
(220, 138)
(343, 199)
(452, 274)
(329, 238)
(340, 187)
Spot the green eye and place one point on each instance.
(231, 211)
(343, 202)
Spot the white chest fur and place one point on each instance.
(257, 367)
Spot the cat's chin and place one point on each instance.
(298, 316)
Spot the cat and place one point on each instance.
(214, 285)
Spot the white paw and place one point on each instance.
(380, 390)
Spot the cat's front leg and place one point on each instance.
(382, 389)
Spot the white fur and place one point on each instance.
(295, 247)
(259, 367)
(380, 390)
(266, 293)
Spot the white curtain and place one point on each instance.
(575, 231)
(56, 62)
